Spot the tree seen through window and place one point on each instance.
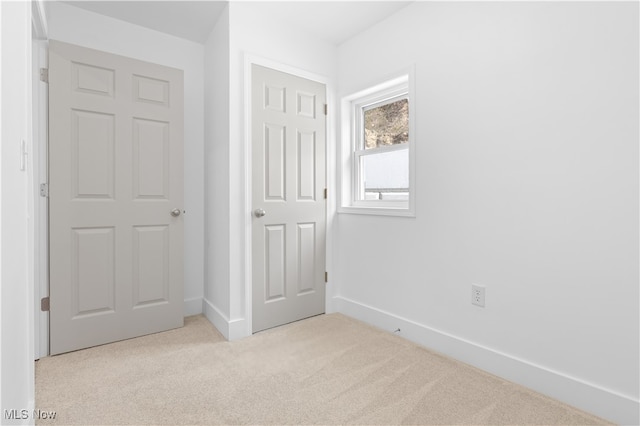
(387, 124)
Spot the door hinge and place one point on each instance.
(325, 193)
(44, 304)
(326, 277)
(44, 74)
(44, 190)
(326, 109)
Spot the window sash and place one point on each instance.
(382, 149)
(359, 150)
(358, 181)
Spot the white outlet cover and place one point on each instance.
(477, 295)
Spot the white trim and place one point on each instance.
(2, 35)
(17, 208)
(248, 245)
(193, 306)
(377, 211)
(606, 403)
(230, 329)
(39, 173)
(216, 317)
(330, 168)
(399, 83)
(41, 216)
(39, 20)
(30, 168)
(237, 329)
(380, 150)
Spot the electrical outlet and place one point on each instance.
(477, 295)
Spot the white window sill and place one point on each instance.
(377, 210)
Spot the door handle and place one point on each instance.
(259, 212)
(175, 212)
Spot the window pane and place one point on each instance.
(387, 124)
(386, 175)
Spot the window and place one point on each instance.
(377, 150)
(382, 153)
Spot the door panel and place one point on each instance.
(306, 166)
(150, 159)
(274, 162)
(150, 265)
(288, 164)
(93, 154)
(93, 271)
(116, 173)
(306, 257)
(276, 272)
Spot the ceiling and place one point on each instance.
(332, 21)
(192, 20)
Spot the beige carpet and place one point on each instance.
(328, 369)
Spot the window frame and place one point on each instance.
(353, 150)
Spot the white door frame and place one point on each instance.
(40, 242)
(41, 212)
(250, 60)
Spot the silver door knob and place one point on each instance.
(175, 212)
(259, 212)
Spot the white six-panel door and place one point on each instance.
(116, 197)
(288, 169)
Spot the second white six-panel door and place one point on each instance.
(116, 197)
(288, 179)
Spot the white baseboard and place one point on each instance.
(192, 306)
(237, 329)
(591, 398)
(230, 329)
(217, 318)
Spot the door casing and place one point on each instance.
(41, 214)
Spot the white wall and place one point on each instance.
(216, 125)
(251, 32)
(74, 25)
(16, 215)
(527, 183)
